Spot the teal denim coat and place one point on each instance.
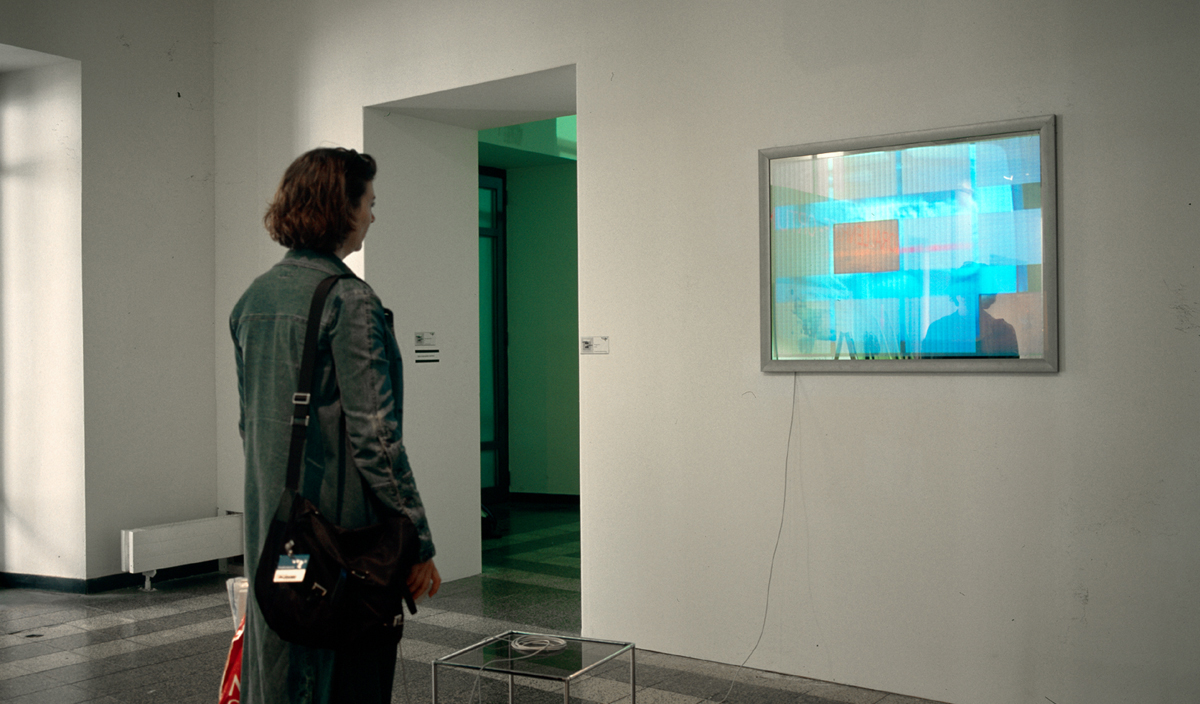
(355, 465)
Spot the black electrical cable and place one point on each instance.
(778, 536)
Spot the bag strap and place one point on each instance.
(301, 400)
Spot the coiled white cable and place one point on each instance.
(537, 645)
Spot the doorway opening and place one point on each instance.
(528, 293)
(426, 254)
(529, 357)
(493, 343)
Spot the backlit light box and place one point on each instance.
(928, 251)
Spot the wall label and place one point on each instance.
(425, 348)
(594, 345)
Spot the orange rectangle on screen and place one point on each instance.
(861, 247)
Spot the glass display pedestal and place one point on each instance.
(521, 654)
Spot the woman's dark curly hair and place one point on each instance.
(318, 198)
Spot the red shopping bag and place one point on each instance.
(231, 681)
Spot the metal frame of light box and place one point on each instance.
(1045, 126)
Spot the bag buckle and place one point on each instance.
(298, 400)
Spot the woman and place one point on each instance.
(355, 467)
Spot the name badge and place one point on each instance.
(291, 568)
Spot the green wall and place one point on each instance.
(543, 324)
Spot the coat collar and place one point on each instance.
(320, 261)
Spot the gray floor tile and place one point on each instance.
(65, 694)
(119, 684)
(545, 568)
(44, 634)
(186, 618)
(23, 603)
(103, 670)
(30, 625)
(901, 699)
(166, 682)
(844, 694)
(499, 552)
(86, 638)
(26, 684)
(29, 649)
(451, 638)
(131, 647)
(50, 661)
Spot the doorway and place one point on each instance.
(529, 369)
(529, 357)
(493, 344)
(426, 255)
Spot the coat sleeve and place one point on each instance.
(359, 343)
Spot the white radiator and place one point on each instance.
(173, 544)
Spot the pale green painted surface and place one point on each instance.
(543, 323)
(555, 137)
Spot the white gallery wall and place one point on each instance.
(970, 539)
(41, 317)
(135, 446)
(419, 246)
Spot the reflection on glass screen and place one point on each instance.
(910, 252)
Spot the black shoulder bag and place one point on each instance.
(320, 585)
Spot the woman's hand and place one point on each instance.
(424, 579)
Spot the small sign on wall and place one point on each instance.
(425, 348)
(594, 345)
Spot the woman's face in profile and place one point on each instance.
(362, 221)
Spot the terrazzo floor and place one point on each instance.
(131, 647)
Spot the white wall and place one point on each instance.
(42, 527)
(970, 539)
(416, 255)
(147, 267)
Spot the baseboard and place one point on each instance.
(562, 499)
(122, 580)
